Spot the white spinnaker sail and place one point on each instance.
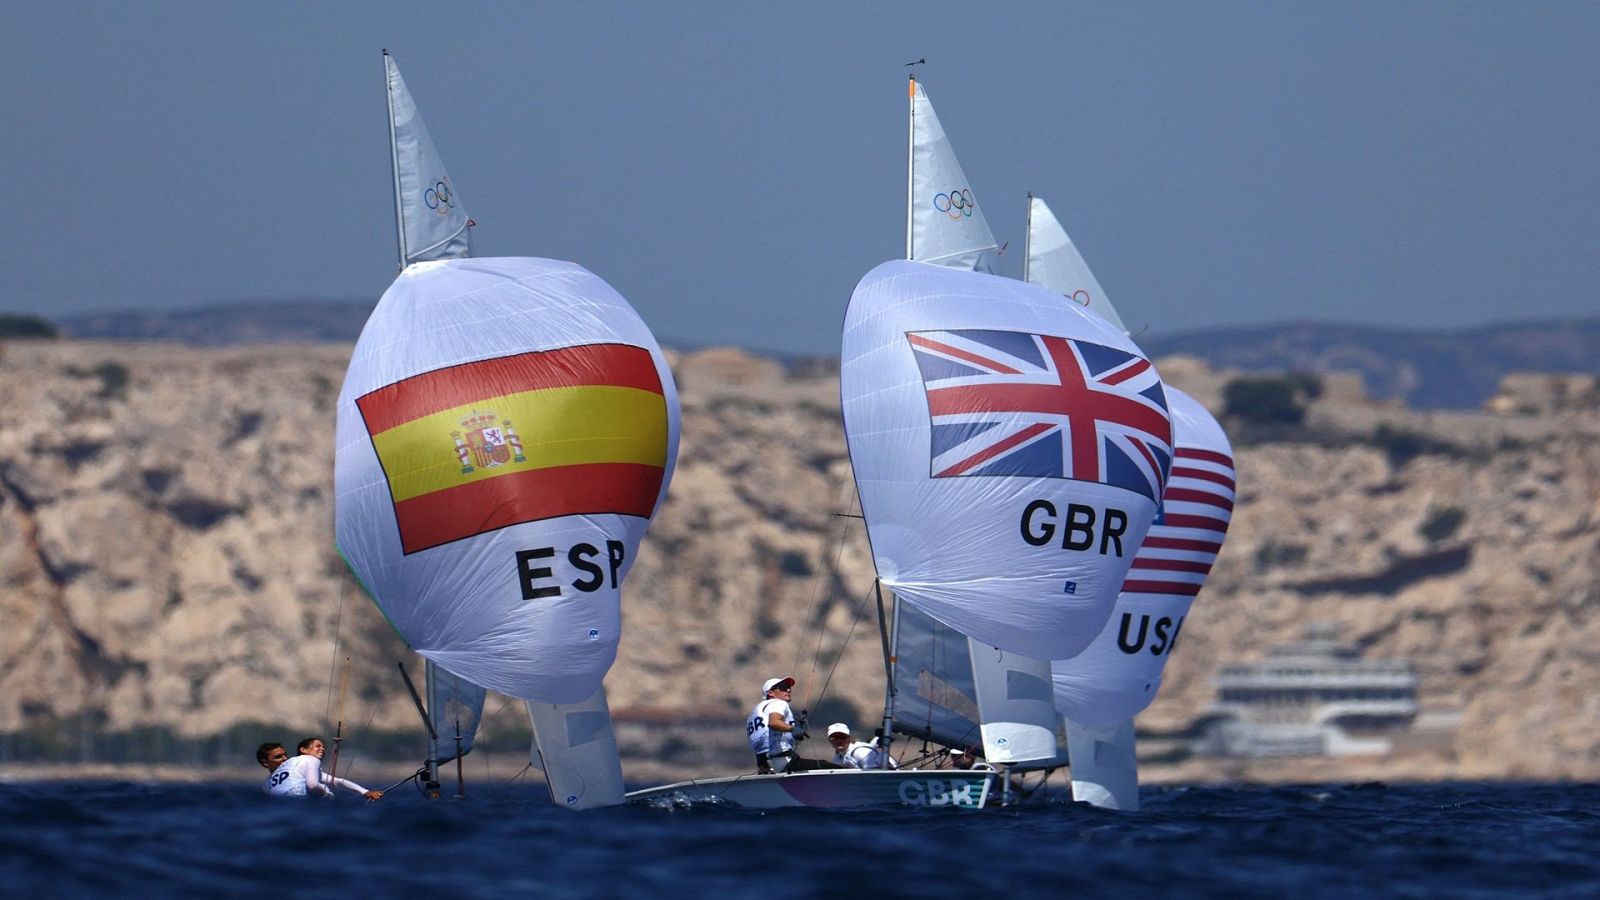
(1119, 673)
(577, 748)
(506, 429)
(946, 224)
(432, 221)
(1007, 447)
(1054, 262)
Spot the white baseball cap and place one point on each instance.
(838, 728)
(771, 683)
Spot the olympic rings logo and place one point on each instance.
(1080, 297)
(439, 199)
(956, 203)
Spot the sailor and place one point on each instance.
(771, 727)
(773, 732)
(963, 758)
(856, 754)
(302, 776)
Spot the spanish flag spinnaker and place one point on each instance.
(506, 430)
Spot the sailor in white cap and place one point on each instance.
(771, 727)
(856, 754)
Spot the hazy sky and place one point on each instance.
(733, 169)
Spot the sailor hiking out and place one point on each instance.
(302, 776)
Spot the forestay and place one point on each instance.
(1120, 672)
(506, 430)
(1053, 260)
(1008, 449)
(947, 226)
(433, 222)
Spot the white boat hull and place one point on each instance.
(831, 789)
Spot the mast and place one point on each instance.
(431, 787)
(911, 162)
(1027, 239)
(890, 640)
(394, 164)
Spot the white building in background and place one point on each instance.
(1316, 697)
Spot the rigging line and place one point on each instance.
(816, 584)
(838, 657)
(333, 667)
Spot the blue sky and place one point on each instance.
(733, 169)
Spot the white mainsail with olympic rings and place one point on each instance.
(1051, 259)
(945, 223)
(432, 221)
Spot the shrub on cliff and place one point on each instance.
(1269, 400)
(20, 327)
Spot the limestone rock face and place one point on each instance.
(166, 555)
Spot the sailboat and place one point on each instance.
(1101, 689)
(1008, 451)
(507, 428)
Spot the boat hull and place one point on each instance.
(831, 789)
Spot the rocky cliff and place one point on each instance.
(166, 557)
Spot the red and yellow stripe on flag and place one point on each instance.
(480, 446)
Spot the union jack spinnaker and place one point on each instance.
(506, 430)
(1009, 450)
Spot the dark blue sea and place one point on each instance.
(70, 839)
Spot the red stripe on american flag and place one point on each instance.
(1177, 588)
(1206, 455)
(1171, 565)
(1171, 543)
(1204, 522)
(1193, 496)
(1203, 475)
(975, 359)
(627, 489)
(615, 365)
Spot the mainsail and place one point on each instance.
(430, 220)
(1008, 448)
(1051, 259)
(944, 224)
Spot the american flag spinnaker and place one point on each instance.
(1120, 673)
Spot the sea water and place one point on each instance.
(66, 839)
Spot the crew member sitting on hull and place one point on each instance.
(302, 776)
(856, 754)
(772, 732)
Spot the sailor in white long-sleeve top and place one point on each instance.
(857, 754)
